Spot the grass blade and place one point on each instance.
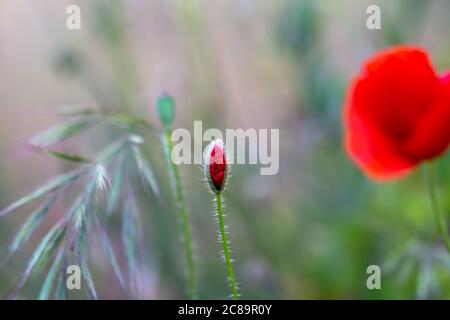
(145, 170)
(128, 121)
(101, 177)
(68, 157)
(61, 287)
(44, 189)
(129, 242)
(88, 277)
(111, 150)
(50, 249)
(81, 254)
(51, 276)
(81, 232)
(33, 221)
(424, 279)
(81, 242)
(82, 109)
(60, 132)
(116, 185)
(110, 253)
(42, 253)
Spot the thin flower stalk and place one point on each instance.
(165, 108)
(216, 169)
(430, 171)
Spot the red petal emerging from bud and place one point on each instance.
(215, 165)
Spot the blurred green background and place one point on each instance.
(308, 232)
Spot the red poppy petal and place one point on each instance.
(397, 113)
(394, 89)
(432, 134)
(373, 152)
(217, 167)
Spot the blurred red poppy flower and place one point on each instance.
(397, 113)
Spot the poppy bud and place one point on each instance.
(165, 106)
(215, 165)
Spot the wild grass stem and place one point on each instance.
(184, 217)
(430, 171)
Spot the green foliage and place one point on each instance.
(33, 222)
(71, 236)
(51, 277)
(61, 132)
(43, 252)
(146, 172)
(52, 185)
(110, 253)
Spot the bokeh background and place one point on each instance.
(308, 232)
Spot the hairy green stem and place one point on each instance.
(438, 215)
(226, 250)
(184, 218)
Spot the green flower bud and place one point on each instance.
(165, 106)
